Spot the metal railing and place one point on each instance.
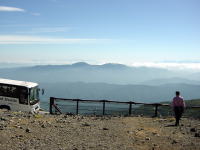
(100, 106)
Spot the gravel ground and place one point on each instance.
(20, 131)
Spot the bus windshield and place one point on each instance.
(34, 95)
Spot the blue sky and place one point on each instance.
(100, 31)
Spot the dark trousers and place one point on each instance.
(178, 111)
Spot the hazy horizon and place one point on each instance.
(176, 66)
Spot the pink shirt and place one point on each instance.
(178, 101)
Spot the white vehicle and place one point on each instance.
(19, 95)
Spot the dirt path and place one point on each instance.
(44, 132)
(157, 133)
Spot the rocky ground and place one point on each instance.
(20, 131)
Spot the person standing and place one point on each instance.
(178, 105)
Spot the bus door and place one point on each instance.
(23, 95)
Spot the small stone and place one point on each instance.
(28, 130)
(85, 124)
(147, 138)
(1, 127)
(154, 133)
(140, 129)
(193, 130)
(130, 132)
(158, 135)
(197, 134)
(43, 126)
(11, 121)
(19, 127)
(33, 121)
(3, 119)
(65, 116)
(174, 142)
(18, 136)
(155, 145)
(105, 129)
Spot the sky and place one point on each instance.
(133, 32)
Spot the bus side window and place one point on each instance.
(8, 91)
(1, 91)
(23, 96)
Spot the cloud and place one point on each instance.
(53, 29)
(171, 66)
(45, 30)
(20, 39)
(11, 9)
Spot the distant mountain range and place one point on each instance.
(108, 81)
(107, 73)
(174, 80)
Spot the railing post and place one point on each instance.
(77, 106)
(130, 108)
(51, 104)
(156, 110)
(104, 107)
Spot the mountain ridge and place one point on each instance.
(81, 71)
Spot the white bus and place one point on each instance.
(19, 95)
